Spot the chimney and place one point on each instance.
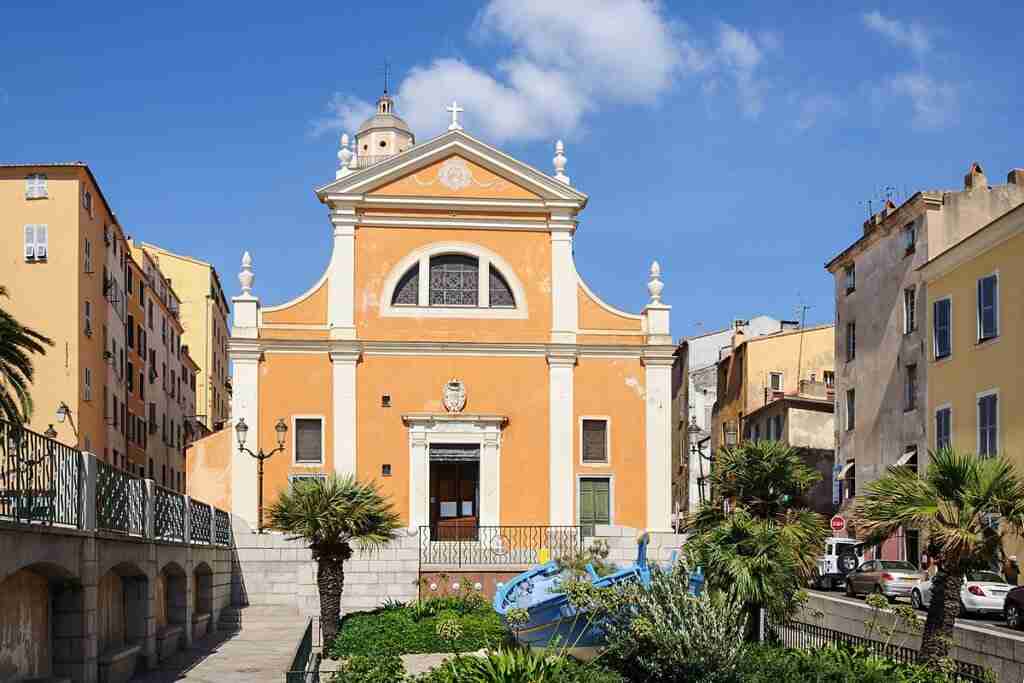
(738, 337)
(1016, 177)
(975, 177)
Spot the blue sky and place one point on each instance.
(738, 146)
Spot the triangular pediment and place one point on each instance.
(453, 165)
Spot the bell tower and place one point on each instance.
(384, 134)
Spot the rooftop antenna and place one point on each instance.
(801, 309)
(387, 74)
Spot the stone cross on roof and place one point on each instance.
(454, 109)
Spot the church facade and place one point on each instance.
(452, 353)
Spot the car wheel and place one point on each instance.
(963, 610)
(850, 593)
(915, 600)
(1013, 616)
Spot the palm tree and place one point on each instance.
(332, 515)
(17, 344)
(956, 504)
(753, 540)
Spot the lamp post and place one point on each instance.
(242, 430)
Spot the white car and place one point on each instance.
(842, 556)
(982, 592)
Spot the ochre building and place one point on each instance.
(452, 352)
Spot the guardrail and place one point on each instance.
(487, 545)
(305, 665)
(798, 634)
(43, 481)
(40, 479)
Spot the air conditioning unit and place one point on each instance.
(30, 252)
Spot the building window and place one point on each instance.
(131, 377)
(988, 308)
(943, 428)
(851, 341)
(851, 409)
(909, 239)
(87, 256)
(775, 381)
(36, 187)
(848, 477)
(150, 313)
(942, 311)
(500, 294)
(87, 315)
(129, 282)
(595, 440)
(988, 424)
(130, 332)
(909, 310)
(850, 273)
(453, 280)
(309, 441)
(36, 244)
(910, 388)
(830, 379)
(87, 202)
(407, 293)
(87, 385)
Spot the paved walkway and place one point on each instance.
(258, 653)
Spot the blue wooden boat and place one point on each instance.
(551, 615)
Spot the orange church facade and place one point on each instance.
(452, 353)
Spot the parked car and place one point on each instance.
(983, 592)
(1013, 607)
(891, 578)
(842, 555)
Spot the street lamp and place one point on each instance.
(242, 431)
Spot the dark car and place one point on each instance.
(1013, 608)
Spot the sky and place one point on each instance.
(738, 143)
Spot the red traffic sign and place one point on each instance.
(838, 523)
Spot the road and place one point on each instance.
(993, 622)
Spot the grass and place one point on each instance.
(398, 631)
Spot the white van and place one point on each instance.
(842, 556)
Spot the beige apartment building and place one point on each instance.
(883, 358)
(72, 274)
(204, 315)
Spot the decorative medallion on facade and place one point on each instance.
(455, 174)
(454, 396)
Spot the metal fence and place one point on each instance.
(222, 531)
(120, 501)
(305, 665)
(199, 521)
(489, 545)
(40, 479)
(797, 634)
(168, 515)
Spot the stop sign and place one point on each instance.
(838, 523)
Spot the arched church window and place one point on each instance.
(453, 280)
(500, 292)
(407, 293)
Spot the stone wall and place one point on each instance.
(1001, 651)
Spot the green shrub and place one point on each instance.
(596, 555)
(518, 665)
(399, 632)
(662, 633)
(380, 668)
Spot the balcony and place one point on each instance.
(473, 546)
(367, 160)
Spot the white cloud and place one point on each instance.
(564, 60)
(909, 35)
(815, 107)
(934, 103)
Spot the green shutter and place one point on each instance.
(595, 502)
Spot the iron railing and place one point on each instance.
(168, 515)
(120, 501)
(801, 635)
(40, 479)
(222, 532)
(367, 160)
(200, 516)
(489, 545)
(305, 665)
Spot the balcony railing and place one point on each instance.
(489, 545)
(366, 160)
(46, 482)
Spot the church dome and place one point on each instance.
(383, 135)
(379, 120)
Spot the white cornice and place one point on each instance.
(448, 223)
(457, 349)
(457, 418)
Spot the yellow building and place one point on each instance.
(975, 334)
(204, 315)
(452, 352)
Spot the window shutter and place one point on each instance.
(308, 439)
(42, 245)
(595, 441)
(30, 242)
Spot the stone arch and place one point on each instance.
(41, 609)
(171, 609)
(202, 604)
(122, 613)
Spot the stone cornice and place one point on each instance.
(439, 348)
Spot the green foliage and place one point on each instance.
(465, 600)
(750, 539)
(17, 345)
(399, 632)
(391, 603)
(596, 555)
(379, 668)
(887, 620)
(518, 665)
(332, 513)
(661, 633)
(767, 664)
